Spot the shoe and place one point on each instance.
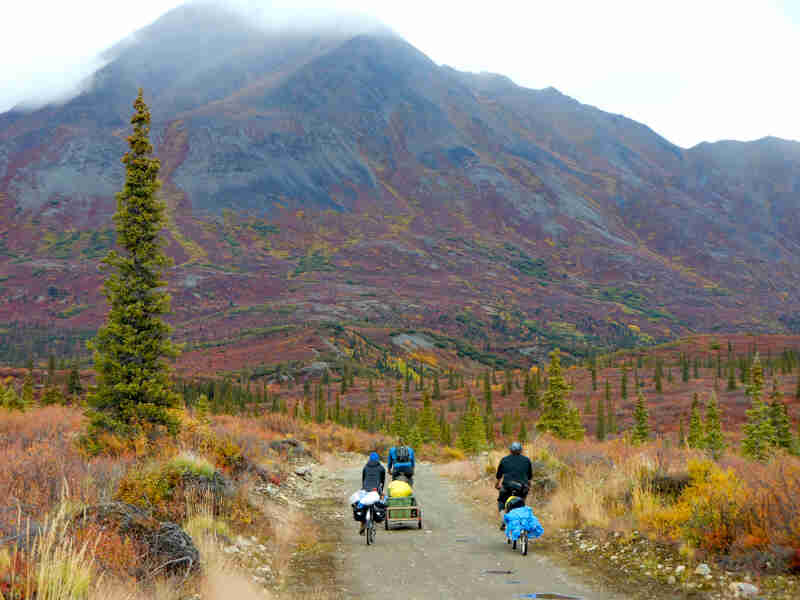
(362, 530)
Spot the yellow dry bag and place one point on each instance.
(399, 489)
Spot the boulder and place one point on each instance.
(290, 446)
(543, 483)
(216, 485)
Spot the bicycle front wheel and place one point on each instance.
(370, 533)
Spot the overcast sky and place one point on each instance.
(693, 70)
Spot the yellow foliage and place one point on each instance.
(454, 453)
(708, 512)
(428, 359)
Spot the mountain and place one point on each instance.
(336, 174)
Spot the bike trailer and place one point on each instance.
(403, 511)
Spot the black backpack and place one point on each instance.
(403, 455)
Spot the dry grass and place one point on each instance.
(294, 530)
(52, 565)
(463, 470)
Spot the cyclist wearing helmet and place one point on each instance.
(514, 474)
(373, 477)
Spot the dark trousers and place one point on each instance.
(404, 473)
(507, 491)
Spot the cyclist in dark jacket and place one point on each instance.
(514, 474)
(373, 477)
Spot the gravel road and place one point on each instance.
(450, 557)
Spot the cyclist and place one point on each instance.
(514, 474)
(401, 461)
(373, 477)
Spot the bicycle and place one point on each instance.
(369, 525)
(523, 543)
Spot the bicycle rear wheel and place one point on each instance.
(370, 528)
(523, 543)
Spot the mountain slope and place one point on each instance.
(340, 172)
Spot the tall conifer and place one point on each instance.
(641, 422)
(714, 441)
(696, 430)
(133, 392)
(558, 416)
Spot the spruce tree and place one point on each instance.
(532, 392)
(522, 435)
(623, 385)
(731, 377)
(202, 409)
(611, 418)
(27, 391)
(133, 393)
(779, 417)
(641, 426)
(51, 370)
(714, 441)
(428, 427)
(658, 376)
(399, 427)
(558, 416)
(681, 432)
(489, 420)
(487, 393)
(74, 387)
(696, 429)
(601, 420)
(445, 433)
(759, 433)
(472, 438)
(415, 437)
(437, 392)
(593, 370)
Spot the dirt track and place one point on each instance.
(449, 557)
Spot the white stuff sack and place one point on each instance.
(357, 496)
(370, 498)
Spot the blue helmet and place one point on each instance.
(516, 447)
(374, 456)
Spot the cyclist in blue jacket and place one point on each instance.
(401, 461)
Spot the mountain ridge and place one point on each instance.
(513, 217)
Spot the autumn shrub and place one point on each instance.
(453, 453)
(163, 486)
(773, 510)
(42, 464)
(710, 513)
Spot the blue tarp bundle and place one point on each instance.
(522, 519)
